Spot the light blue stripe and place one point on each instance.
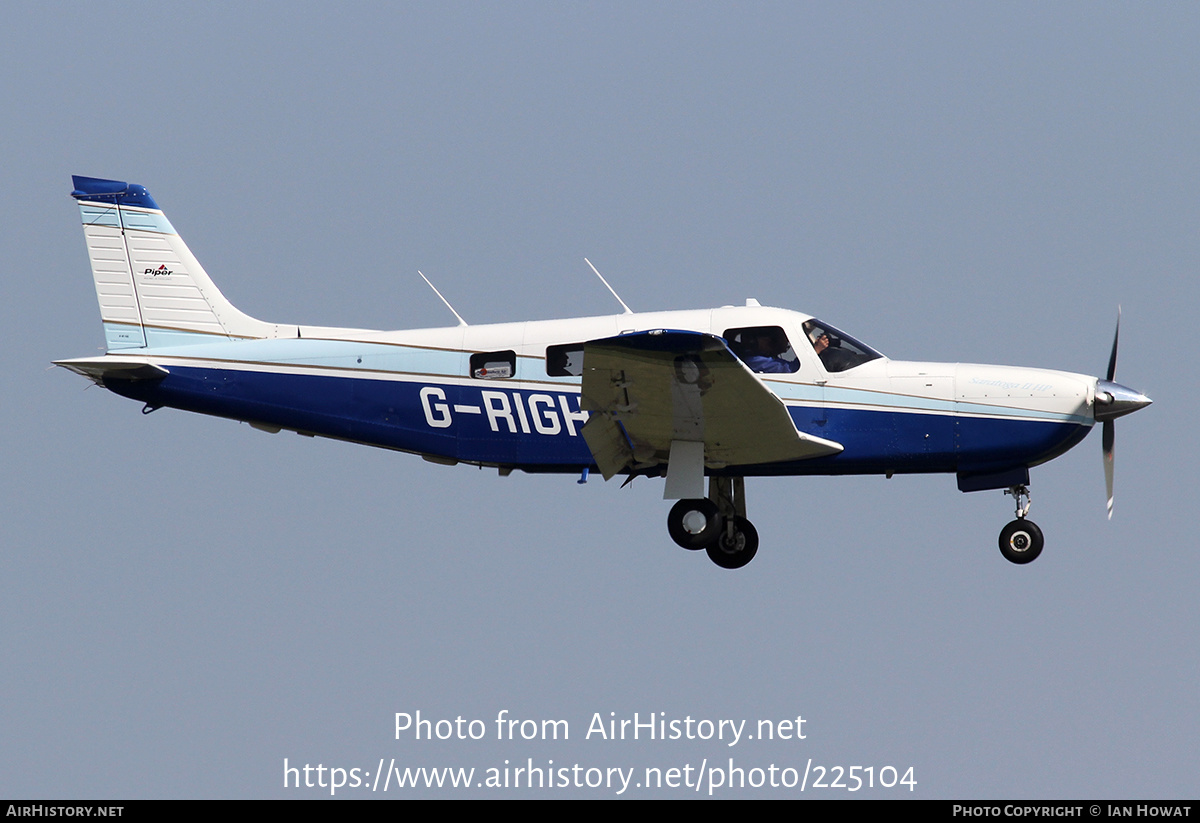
(120, 336)
(885, 401)
(796, 391)
(171, 338)
(338, 354)
(994, 411)
(147, 221)
(98, 215)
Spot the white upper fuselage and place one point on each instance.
(442, 354)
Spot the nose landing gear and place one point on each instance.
(1021, 540)
(716, 524)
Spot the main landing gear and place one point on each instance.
(1021, 540)
(716, 523)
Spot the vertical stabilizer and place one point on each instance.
(152, 290)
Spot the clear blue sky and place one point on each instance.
(186, 602)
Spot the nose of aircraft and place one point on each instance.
(1114, 400)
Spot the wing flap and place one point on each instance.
(663, 386)
(609, 444)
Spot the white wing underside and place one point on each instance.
(652, 393)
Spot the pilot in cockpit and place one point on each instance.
(819, 338)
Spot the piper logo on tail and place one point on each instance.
(161, 270)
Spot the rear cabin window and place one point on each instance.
(493, 365)
(765, 349)
(565, 361)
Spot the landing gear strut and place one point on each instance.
(1021, 540)
(716, 524)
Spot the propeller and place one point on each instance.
(1112, 401)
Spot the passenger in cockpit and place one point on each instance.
(763, 352)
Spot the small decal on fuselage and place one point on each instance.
(1011, 385)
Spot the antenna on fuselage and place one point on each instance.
(461, 322)
(610, 288)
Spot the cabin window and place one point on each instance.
(565, 361)
(493, 365)
(765, 349)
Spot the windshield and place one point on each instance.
(838, 351)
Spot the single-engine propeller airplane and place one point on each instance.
(726, 393)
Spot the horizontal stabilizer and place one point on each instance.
(100, 369)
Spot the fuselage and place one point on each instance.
(508, 394)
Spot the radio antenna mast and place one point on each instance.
(610, 288)
(461, 322)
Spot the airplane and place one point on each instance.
(724, 393)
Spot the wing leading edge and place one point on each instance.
(653, 390)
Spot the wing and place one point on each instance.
(652, 391)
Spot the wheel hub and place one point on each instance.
(732, 544)
(694, 522)
(1021, 541)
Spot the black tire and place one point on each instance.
(735, 553)
(693, 541)
(1021, 541)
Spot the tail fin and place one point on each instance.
(152, 291)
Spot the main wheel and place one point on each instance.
(736, 550)
(1021, 541)
(693, 524)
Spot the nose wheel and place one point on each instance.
(716, 524)
(1021, 540)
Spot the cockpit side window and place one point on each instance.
(838, 352)
(765, 349)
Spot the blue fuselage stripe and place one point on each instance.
(539, 428)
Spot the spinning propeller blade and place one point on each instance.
(1112, 358)
(1112, 401)
(1108, 433)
